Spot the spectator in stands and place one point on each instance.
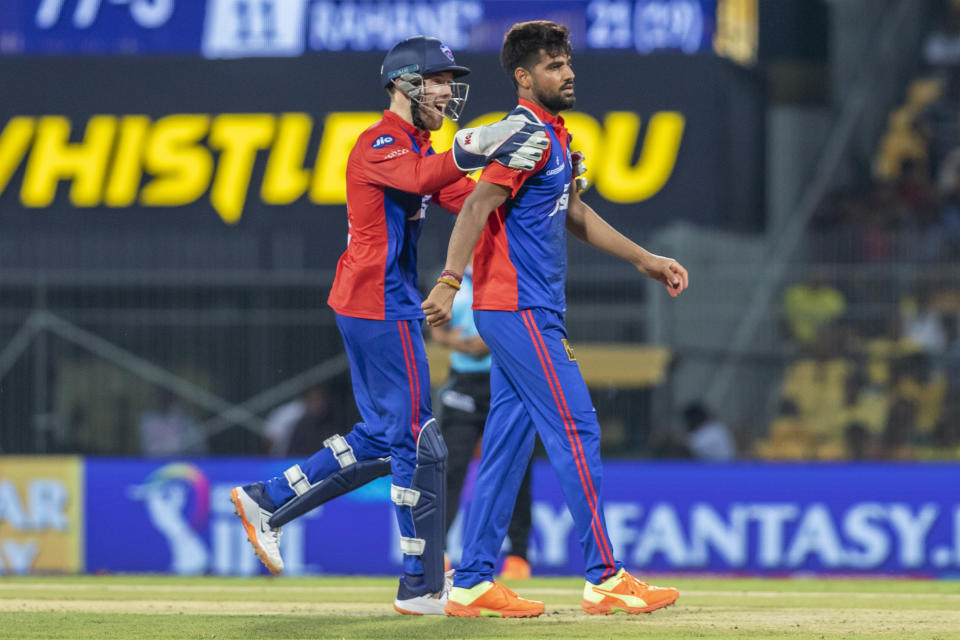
(914, 191)
(315, 425)
(942, 47)
(923, 323)
(946, 436)
(168, 431)
(707, 438)
(948, 188)
(914, 380)
(790, 436)
(810, 306)
(949, 363)
(899, 433)
(862, 404)
(857, 441)
(948, 177)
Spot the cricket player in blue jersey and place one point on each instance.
(516, 223)
(464, 405)
(392, 173)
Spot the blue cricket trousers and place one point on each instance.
(535, 388)
(391, 385)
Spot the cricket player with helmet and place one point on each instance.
(392, 173)
(521, 219)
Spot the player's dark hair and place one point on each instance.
(525, 40)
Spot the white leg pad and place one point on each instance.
(342, 451)
(297, 480)
(412, 546)
(404, 497)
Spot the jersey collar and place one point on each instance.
(422, 136)
(545, 117)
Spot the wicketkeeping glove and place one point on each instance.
(579, 168)
(515, 142)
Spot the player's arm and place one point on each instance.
(585, 224)
(402, 168)
(453, 196)
(451, 338)
(484, 199)
(516, 144)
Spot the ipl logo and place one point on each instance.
(167, 495)
(202, 532)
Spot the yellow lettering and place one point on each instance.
(181, 166)
(442, 139)
(340, 131)
(285, 179)
(587, 138)
(124, 181)
(618, 180)
(54, 158)
(14, 142)
(239, 136)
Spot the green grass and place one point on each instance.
(114, 607)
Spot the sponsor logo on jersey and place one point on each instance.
(383, 141)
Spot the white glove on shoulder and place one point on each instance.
(515, 142)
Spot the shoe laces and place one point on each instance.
(505, 589)
(635, 584)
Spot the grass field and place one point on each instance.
(111, 607)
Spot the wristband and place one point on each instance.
(450, 282)
(450, 273)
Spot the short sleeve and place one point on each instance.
(512, 179)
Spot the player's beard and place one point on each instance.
(417, 117)
(555, 101)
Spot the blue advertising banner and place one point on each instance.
(240, 28)
(101, 27)
(175, 516)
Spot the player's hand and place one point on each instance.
(514, 142)
(579, 168)
(472, 345)
(666, 270)
(438, 305)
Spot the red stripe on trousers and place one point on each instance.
(571, 430)
(413, 398)
(576, 435)
(416, 384)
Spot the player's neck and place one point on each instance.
(529, 97)
(402, 111)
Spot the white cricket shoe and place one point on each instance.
(264, 538)
(416, 602)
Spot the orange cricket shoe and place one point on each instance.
(515, 568)
(625, 593)
(490, 599)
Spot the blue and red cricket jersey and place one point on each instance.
(520, 261)
(392, 174)
(520, 266)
